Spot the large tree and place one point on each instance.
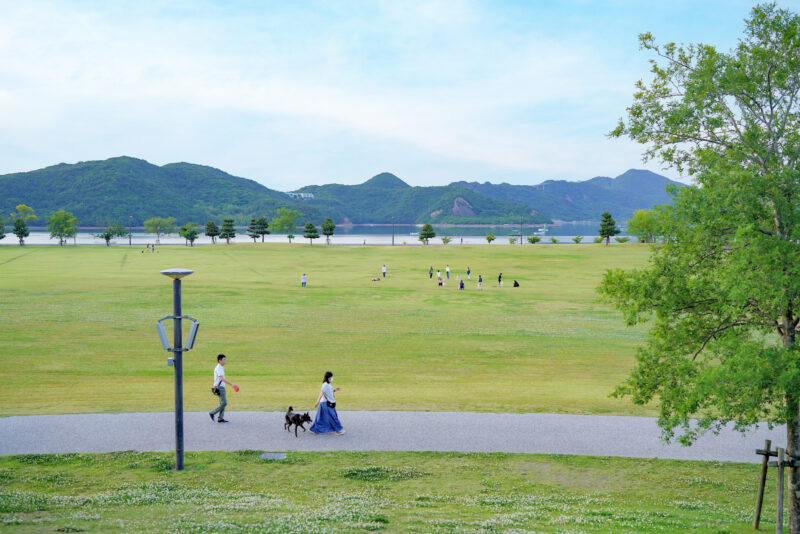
(21, 217)
(189, 232)
(310, 232)
(286, 221)
(110, 232)
(212, 231)
(227, 232)
(21, 230)
(252, 229)
(723, 287)
(608, 227)
(160, 225)
(328, 228)
(645, 225)
(262, 225)
(426, 233)
(62, 224)
(2, 228)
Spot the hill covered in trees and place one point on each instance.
(112, 190)
(584, 201)
(386, 197)
(128, 190)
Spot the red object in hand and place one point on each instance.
(235, 388)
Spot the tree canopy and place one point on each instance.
(252, 230)
(645, 225)
(160, 225)
(327, 229)
(608, 227)
(262, 227)
(111, 231)
(227, 232)
(723, 286)
(189, 232)
(286, 221)
(63, 225)
(21, 230)
(426, 233)
(212, 231)
(310, 232)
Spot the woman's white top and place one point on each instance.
(327, 392)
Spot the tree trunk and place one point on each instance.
(793, 447)
(792, 437)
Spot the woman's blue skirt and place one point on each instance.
(326, 421)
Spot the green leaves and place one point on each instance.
(310, 232)
(703, 105)
(62, 224)
(426, 233)
(722, 288)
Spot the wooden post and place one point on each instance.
(761, 483)
(779, 518)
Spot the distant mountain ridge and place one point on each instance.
(129, 190)
(587, 200)
(386, 198)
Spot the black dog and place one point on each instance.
(296, 419)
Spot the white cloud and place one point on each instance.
(435, 83)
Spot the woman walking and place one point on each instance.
(327, 420)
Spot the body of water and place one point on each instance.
(346, 235)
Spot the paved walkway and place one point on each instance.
(636, 437)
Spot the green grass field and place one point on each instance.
(78, 328)
(361, 492)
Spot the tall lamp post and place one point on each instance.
(177, 350)
(392, 230)
(130, 225)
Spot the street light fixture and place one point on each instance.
(130, 224)
(177, 350)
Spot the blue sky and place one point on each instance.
(300, 93)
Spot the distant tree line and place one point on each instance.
(646, 226)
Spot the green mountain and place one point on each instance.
(386, 197)
(129, 190)
(117, 189)
(587, 200)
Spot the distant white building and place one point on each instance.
(301, 195)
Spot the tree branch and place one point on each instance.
(717, 331)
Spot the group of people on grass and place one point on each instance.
(443, 281)
(326, 421)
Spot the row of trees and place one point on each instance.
(645, 225)
(63, 225)
(608, 229)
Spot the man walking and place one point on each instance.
(447, 271)
(430, 272)
(219, 382)
(303, 280)
(383, 270)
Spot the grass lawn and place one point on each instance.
(357, 492)
(78, 331)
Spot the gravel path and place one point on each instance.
(636, 437)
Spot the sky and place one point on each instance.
(300, 93)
